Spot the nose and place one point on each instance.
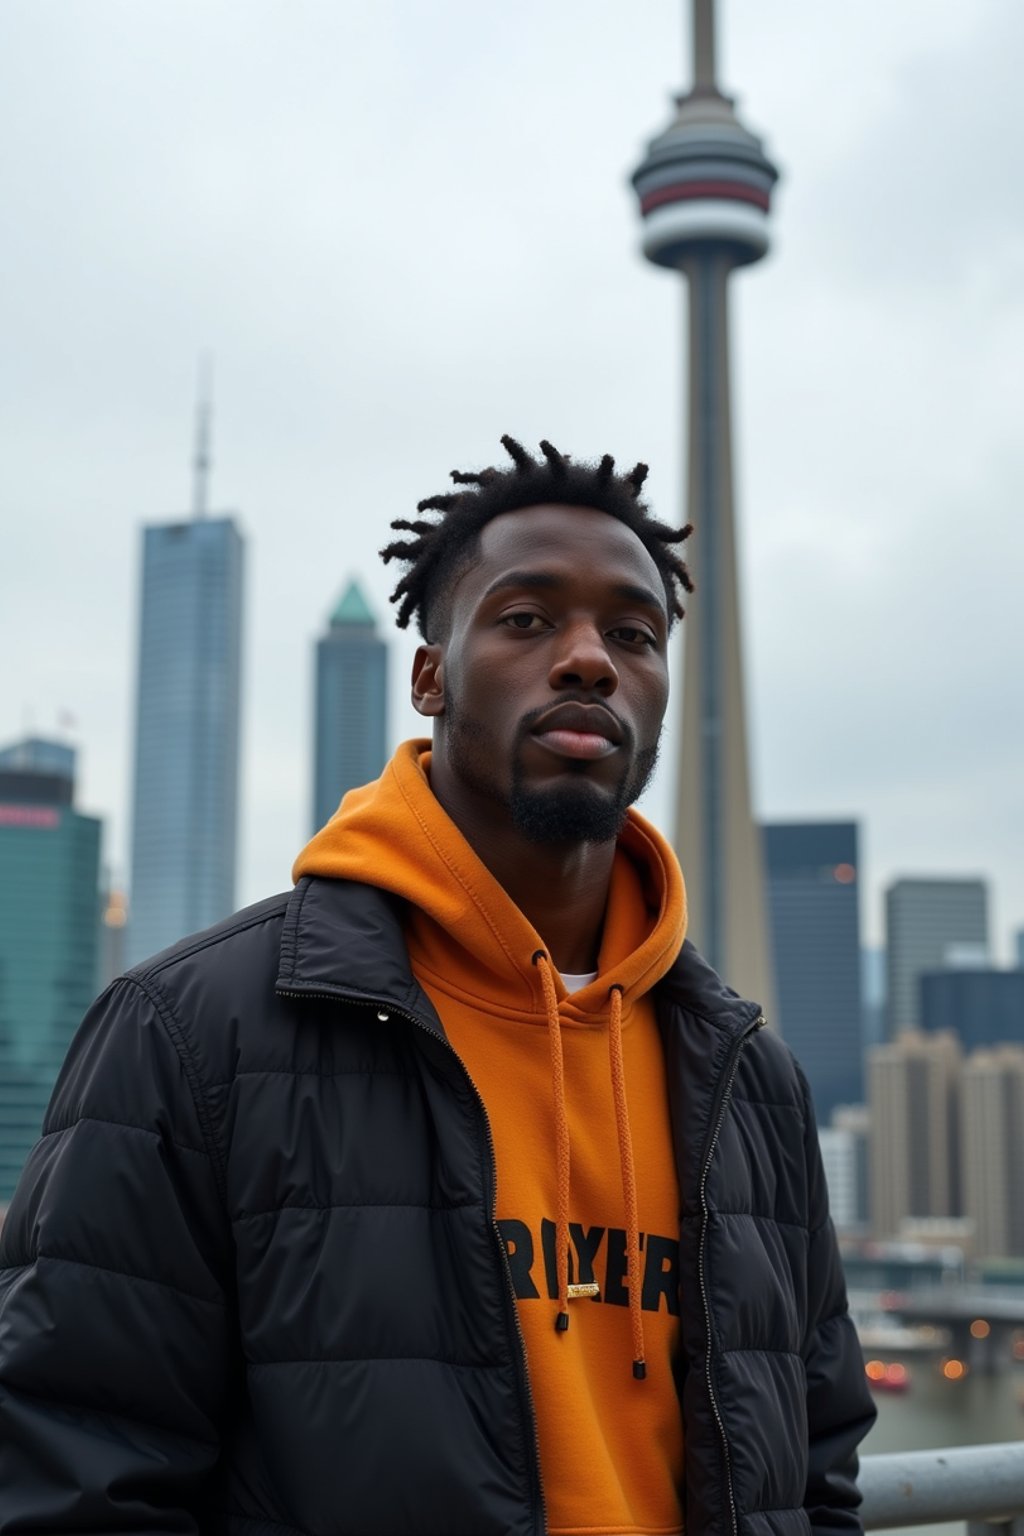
(582, 660)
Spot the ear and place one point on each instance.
(428, 680)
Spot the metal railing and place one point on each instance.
(981, 1484)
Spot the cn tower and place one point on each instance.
(704, 189)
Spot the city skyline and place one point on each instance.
(875, 353)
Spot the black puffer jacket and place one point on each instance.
(252, 1284)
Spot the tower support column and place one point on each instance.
(717, 838)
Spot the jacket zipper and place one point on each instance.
(383, 1007)
(758, 1023)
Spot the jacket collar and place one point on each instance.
(344, 939)
(692, 985)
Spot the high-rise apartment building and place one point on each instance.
(704, 189)
(49, 933)
(845, 1147)
(930, 924)
(185, 813)
(985, 1008)
(913, 1086)
(993, 1150)
(351, 704)
(811, 870)
(872, 989)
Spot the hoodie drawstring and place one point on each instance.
(562, 1161)
(636, 1320)
(547, 981)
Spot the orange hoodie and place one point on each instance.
(587, 1202)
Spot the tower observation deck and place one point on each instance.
(705, 189)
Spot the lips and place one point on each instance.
(579, 731)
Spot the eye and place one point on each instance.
(632, 634)
(523, 621)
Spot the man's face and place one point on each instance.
(549, 693)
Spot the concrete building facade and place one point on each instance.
(351, 707)
(930, 924)
(188, 707)
(913, 1099)
(993, 1150)
(49, 935)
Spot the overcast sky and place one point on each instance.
(405, 228)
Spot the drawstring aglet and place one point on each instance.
(562, 1322)
(639, 1370)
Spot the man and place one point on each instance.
(450, 1193)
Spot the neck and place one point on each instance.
(562, 890)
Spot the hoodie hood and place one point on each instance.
(394, 834)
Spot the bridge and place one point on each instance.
(984, 1328)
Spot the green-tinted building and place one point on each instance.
(49, 930)
(351, 704)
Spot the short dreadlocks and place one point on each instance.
(443, 547)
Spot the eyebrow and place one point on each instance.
(541, 581)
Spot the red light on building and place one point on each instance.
(29, 816)
(844, 873)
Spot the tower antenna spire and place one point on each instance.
(201, 459)
(704, 46)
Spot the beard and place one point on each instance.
(580, 812)
(567, 813)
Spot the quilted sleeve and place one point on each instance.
(840, 1410)
(112, 1308)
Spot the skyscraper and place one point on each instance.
(913, 1096)
(930, 923)
(993, 1143)
(814, 917)
(704, 190)
(49, 933)
(985, 1008)
(351, 704)
(185, 813)
(845, 1157)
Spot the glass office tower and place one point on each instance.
(930, 923)
(49, 934)
(814, 920)
(185, 813)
